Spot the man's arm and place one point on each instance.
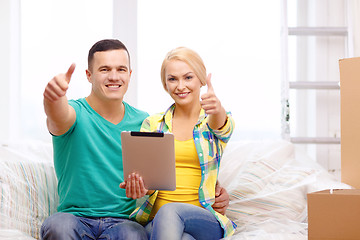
(221, 199)
(60, 115)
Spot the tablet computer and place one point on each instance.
(152, 155)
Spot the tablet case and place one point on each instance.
(152, 155)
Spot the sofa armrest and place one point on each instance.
(28, 186)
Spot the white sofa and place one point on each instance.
(28, 188)
(267, 184)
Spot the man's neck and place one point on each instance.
(111, 110)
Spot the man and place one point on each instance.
(87, 150)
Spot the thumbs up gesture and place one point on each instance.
(209, 102)
(212, 106)
(58, 86)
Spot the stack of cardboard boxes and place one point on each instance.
(335, 213)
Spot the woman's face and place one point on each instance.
(181, 83)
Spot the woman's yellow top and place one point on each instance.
(188, 177)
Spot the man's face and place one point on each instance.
(109, 74)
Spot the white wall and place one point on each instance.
(239, 42)
(126, 30)
(54, 34)
(9, 69)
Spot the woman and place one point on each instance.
(201, 128)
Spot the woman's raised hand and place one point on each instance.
(209, 102)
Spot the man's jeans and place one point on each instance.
(184, 221)
(66, 226)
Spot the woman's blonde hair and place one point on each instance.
(188, 56)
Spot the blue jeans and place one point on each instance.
(184, 221)
(66, 226)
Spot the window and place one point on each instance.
(319, 38)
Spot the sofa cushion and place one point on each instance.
(28, 186)
(268, 186)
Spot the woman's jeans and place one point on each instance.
(184, 221)
(66, 226)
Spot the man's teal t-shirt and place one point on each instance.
(88, 163)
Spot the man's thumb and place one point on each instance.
(69, 72)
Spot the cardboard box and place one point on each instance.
(334, 215)
(350, 121)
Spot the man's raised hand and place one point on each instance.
(58, 86)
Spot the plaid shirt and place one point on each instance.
(210, 145)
